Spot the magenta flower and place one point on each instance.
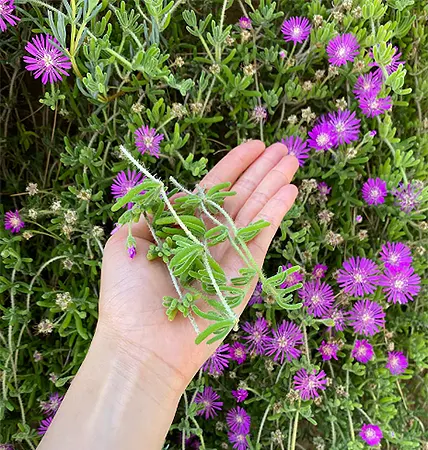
(359, 219)
(6, 16)
(208, 399)
(291, 280)
(13, 221)
(284, 342)
(342, 48)
(257, 295)
(374, 191)
(367, 317)
(192, 442)
(396, 254)
(339, 316)
(259, 113)
(147, 140)
(391, 67)
(318, 297)
(238, 352)
(257, 336)
(239, 440)
(400, 284)
(397, 363)
(46, 59)
(297, 148)
(52, 405)
(240, 395)
(328, 350)
(319, 271)
(374, 106)
(218, 361)
(124, 182)
(44, 425)
(245, 23)
(323, 188)
(296, 29)
(132, 251)
(362, 351)
(309, 384)
(408, 197)
(371, 435)
(358, 277)
(368, 85)
(322, 137)
(6, 447)
(238, 420)
(346, 126)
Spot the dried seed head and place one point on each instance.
(32, 189)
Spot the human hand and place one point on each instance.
(132, 289)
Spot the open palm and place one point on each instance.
(132, 289)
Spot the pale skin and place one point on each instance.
(138, 365)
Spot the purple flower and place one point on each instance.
(132, 251)
(294, 278)
(238, 420)
(297, 148)
(408, 197)
(397, 363)
(371, 434)
(218, 361)
(257, 335)
(240, 395)
(322, 137)
(147, 140)
(284, 342)
(192, 442)
(346, 126)
(359, 219)
(400, 284)
(318, 297)
(366, 317)
(52, 404)
(391, 67)
(6, 447)
(309, 384)
(396, 254)
(6, 9)
(323, 188)
(319, 271)
(115, 229)
(296, 29)
(239, 440)
(245, 23)
(328, 350)
(358, 277)
(374, 106)
(46, 59)
(342, 48)
(208, 399)
(124, 182)
(13, 221)
(238, 352)
(257, 295)
(368, 85)
(340, 318)
(374, 191)
(44, 425)
(362, 351)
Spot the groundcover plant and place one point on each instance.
(110, 108)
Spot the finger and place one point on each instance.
(233, 164)
(273, 212)
(279, 176)
(252, 177)
(138, 230)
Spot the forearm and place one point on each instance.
(116, 401)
